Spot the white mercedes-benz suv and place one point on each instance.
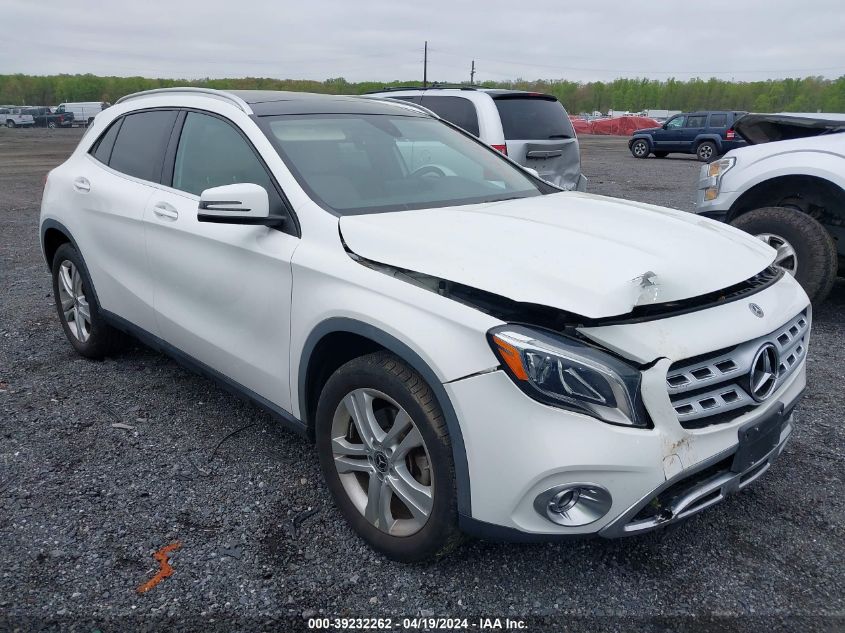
(471, 348)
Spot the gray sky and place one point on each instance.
(382, 40)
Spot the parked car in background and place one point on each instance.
(787, 188)
(468, 346)
(705, 134)
(531, 128)
(15, 116)
(43, 116)
(83, 111)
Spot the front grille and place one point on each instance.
(704, 389)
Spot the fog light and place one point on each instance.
(573, 505)
(711, 193)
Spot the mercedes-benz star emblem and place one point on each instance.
(764, 372)
(756, 310)
(381, 462)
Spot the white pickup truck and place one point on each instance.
(14, 116)
(787, 187)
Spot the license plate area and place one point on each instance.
(757, 439)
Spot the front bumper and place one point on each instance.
(518, 449)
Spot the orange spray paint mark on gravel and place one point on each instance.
(165, 569)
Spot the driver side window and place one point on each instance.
(677, 122)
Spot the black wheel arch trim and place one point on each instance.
(48, 224)
(641, 137)
(403, 351)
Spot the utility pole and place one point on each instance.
(472, 73)
(425, 65)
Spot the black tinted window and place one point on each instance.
(456, 110)
(102, 148)
(696, 120)
(532, 118)
(141, 141)
(212, 153)
(718, 120)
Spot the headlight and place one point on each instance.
(563, 372)
(718, 168)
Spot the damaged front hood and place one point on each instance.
(590, 255)
(766, 128)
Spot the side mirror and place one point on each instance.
(241, 203)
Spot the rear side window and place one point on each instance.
(534, 118)
(103, 147)
(718, 120)
(212, 153)
(697, 120)
(456, 110)
(141, 141)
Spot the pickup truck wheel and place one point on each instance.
(639, 149)
(661, 154)
(51, 125)
(78, 309)
(387, 459)
(804, 247)
(706, 151)
(10, 124)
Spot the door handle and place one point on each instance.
(82, 185)
(165, 211)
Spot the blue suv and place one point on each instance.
(705, 134)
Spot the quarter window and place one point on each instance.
(718, 120)
(141, 141)
(456, 110)
(212, 153)
(102, 148)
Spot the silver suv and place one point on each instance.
(531, 128)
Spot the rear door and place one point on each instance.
(696, 124)
(112, 188)
(539, 135)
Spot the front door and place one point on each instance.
(668, 139)
(222, 291)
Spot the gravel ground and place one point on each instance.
(85, 504)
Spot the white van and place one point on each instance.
(83, 111)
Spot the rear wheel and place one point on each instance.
(387, 459)
(639, 149)
(804, 247)
(706, 151)
(51, 125)
(77, 306)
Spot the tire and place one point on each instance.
(51, 125)
(661, 154)
(814, 263)
(640, 149)
(357, 470)
(74, 296)
(706, 151)
(10, 124)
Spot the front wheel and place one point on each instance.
(706, 151)
(639, 149)
(387, 459)
(10, 124)
(804, 247)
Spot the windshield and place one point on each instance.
(368, 163)
(533, 119)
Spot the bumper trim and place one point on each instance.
(701, 496)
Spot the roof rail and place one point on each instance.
(431, 87)
(209, 92)
(402, 104)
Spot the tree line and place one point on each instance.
(809, 94)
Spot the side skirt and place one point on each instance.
(287, 419)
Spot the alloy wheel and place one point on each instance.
(75, 307)
(705, 152)
(382, 461)
(786, 257)
(640, 148)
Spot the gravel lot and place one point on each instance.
(84, 504)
